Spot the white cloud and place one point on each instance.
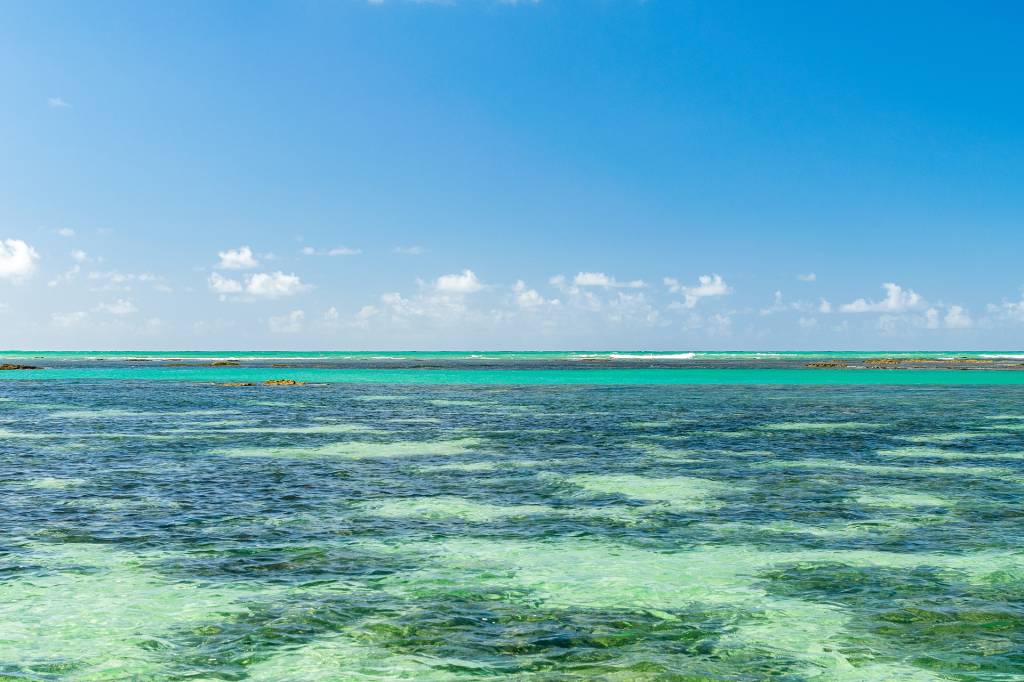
(17, 260)
(1008, 310)
(274, 285)
(65, 277)
(527, 298)
(577, 297)
(824, 306)
(957, 318)
(118, 307)
(68, 320)
(367, 312)
(112, 280)
(707, 286)
(808, 323)
(258, 285)
(409, 250)
(778, 305)
(66, 232)
(224, 285)
(719, 323)
(288, 324)
(599, 279)
(339, 251)
(897, 300)
(808, 277)
(592, 279)
(631, 308)
(237, 259)
(57, 103)
(458, 284)
(79, 256)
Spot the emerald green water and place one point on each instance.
(531, 376)
(526, 368)
(559, 523)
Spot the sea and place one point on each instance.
(591, 515)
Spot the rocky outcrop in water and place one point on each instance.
(284, 382)
(828, 364)
(7, 366)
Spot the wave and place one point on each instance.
(634, 356)
(1007, 356)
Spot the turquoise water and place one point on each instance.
(553, 367)
(530, 376)
(556, 522)
(512, 355)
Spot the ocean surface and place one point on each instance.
(542, 516)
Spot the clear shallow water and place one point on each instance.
(184, 530)
(531, 368)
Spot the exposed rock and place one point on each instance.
(6, 366)
(832, 364)
(284, 382)
(236, 383)
(224, 363)
(882, 361)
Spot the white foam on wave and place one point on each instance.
(1008, 356)
(635, 356)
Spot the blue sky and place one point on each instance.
(486, 174)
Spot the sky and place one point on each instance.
(531, 174)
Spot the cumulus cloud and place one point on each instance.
(957, 318)
(339, 251)
(1008, 310)
(118, 307)
(778, 305)
(465, 282)
(65, 277)
(17, 260)
(258, 285)
(66, 232)
(707, 286)
(68, 320)
(807, 277)
(527, 298)
(599, 279)
(897, 300)
(224, 285)
(241, 258)
(288, 324)
(577, 296)
(57, 103)
(79, 256)
(274, 285)
(113, 280)
(366, 313)
(632, 308)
